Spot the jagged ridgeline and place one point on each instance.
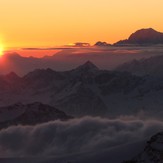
(85, 90)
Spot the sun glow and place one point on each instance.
(1, 50)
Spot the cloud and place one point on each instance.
(75, 136)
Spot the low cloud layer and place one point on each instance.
(79, 135)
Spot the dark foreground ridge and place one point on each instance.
(152, 152)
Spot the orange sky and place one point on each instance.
(59, 22)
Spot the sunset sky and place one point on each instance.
(59, 22)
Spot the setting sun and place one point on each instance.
(1, 50)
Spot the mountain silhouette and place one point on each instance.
(147, 36)
(102, 44)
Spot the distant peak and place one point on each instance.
(88, 63)
(146, 30)
(100, 43)
(144, 36)
(88, 66)
(12, 75)
(150, 29)
(148, 33)
(12, 54)
(49, 70)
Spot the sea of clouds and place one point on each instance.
(75, 136)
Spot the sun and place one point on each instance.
(1, 50)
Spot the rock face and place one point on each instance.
(143, 37)
(153, 152)
(29, 114)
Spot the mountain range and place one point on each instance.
(85, 90)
